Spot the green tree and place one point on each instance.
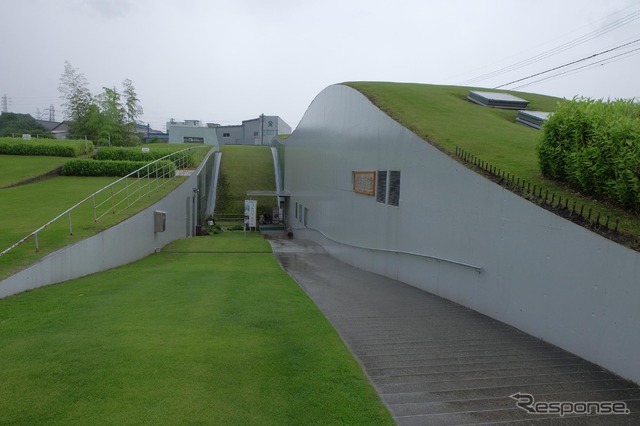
(12, 123)
(74, 90)
(113, 115)
(107, 118)
(132, 107)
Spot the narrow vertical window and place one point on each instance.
(381, 187)
(296, 210)
(306, 216)
(394, 188)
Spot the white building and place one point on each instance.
(257, 131)
(192, 131)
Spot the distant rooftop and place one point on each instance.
(497, 100)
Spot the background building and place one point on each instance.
(257, 131)
(191, 131)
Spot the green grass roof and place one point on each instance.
(444, 117)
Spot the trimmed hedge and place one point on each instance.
(52, 148)
(185, 159)
(116, 168)
(594, 146)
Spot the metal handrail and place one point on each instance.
(111, 198)
(478, 269)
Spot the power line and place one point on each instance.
(561, 48)
(569, 63)
(602, 62)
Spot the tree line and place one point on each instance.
(107, 118)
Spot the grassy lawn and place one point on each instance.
(244, 168)
(180, 338)
(443, 116)
(17, 168)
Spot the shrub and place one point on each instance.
(53, 148)
(118, 168)
(185, 159)
(594, 146)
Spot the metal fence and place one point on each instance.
(576, 211)
(121, 194)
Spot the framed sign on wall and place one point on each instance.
(364, 182)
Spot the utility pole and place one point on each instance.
(261, 129)
(5, 103)
(52, 113)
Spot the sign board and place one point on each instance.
(26, 137)
(250, 209)
(364, 183)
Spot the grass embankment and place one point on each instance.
(244, 168)
(180, 337)
(27, 207)
(443, 116)
(15, 169)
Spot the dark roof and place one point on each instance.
(49, 125)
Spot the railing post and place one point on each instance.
(95, 217)
(37, 245)
(148, 181)
(70, 224)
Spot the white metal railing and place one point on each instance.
(478, 269)
(121, 194)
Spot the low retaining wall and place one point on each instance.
(124, 243)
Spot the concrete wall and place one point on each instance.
(248, 133)
(235, 133)
(124, 243)
(177, 133)
(283, 127)
(458, 235)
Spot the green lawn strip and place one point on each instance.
(443, 116)
(25, 208)
(221, 243)
(244, 168)
(179, 338)
(18, 168)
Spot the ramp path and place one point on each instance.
(435, 362)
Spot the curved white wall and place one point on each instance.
(540, 273)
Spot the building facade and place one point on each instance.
(192, 131)
(379, 197)
(256, 131)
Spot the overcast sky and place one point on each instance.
(224, 61)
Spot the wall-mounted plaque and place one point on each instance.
(364, 183)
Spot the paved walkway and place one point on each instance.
(434, 362)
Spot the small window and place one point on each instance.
(255, 134)
(394, 188)
(191, 139)
(381, 187)
(226, 135)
